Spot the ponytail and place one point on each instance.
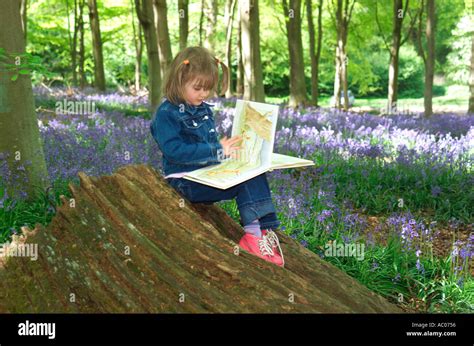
(225, 76)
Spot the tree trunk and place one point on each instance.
(339, 45)
(295, 49)
(183, 10)
(344, 62)
(74, 45)
(343, 18)
(138, 43)
(20, 142)
(138, 247)
(23, 10)
(145, 15)
(239, 84)
(253, 78)
(314, 56)
(99, 74)
(162, 34)
(416, 35)
(201, 19)
(430, 57)
(210, 11)
(229, 20)
(394, 55)
(471, 79)
(70, 41)
(82, 74)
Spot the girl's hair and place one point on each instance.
(190, 64)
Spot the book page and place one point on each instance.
(280, 161)
(256, 124)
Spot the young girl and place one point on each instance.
(185, 131)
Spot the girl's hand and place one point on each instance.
(230, 146)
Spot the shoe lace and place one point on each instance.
(272, 240)
(265, 248)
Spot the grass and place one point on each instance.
(386, 268)
(50, 105)
(16, 214)
(456, 99)
(371, 185)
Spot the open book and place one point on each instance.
(256, 123)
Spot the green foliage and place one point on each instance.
(50, 39)
(18, 213)
(21, 64)
(458, 63)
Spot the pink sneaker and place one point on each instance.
(272, 240)
(259, 247)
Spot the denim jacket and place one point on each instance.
(186, 135)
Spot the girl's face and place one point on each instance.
(193, 94)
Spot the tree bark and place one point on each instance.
(471, 79)
(183, 10)
(398, 16)
(339, 45)
(99, 74)
(314, 50)
(239, 84)
(82, 74)
(139, 247)
(253, 78)
(23, 10)
(229, 20)
(74, 45)
(343, 18)
(20, 142)
(394, 54)
(210, 11)
(138, 43)
(295, 50)
(162, 34)
(145, 15)
(430, 56)
(201, 19)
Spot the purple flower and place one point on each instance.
(435, 191)
(375, 266)
(420, 266)
(324, 215)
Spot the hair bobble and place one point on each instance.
(186, 62)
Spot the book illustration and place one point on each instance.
(255, 122)
(254, 127)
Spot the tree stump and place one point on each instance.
(129, 243)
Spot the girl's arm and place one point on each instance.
(165, 130)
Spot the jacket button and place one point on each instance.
(206, 117)
(211, 130)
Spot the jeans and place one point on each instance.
(253, 198)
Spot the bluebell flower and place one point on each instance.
(375, 266)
